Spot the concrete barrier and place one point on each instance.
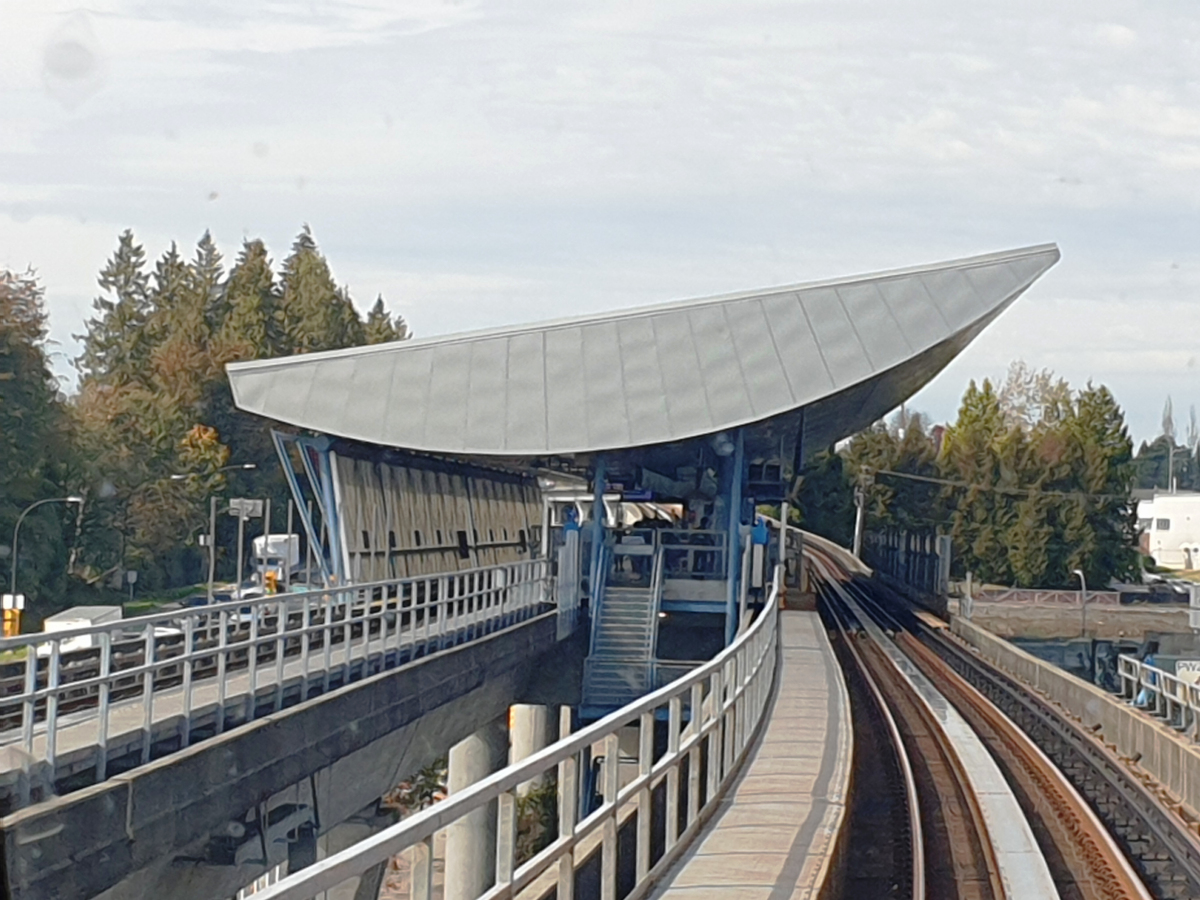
(1167, 756)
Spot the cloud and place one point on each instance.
(483, 162)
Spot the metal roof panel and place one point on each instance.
(654, 374)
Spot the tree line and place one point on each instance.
(1032, 481)
(152, 431)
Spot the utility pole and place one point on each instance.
(860, 503)
(212, 545)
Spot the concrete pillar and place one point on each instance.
(528, 732)
(471, 841)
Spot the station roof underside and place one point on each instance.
(846, 351)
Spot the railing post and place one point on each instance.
(715, 742)
(252, 664)
(568, 800)
(421, 861)
(697, 718)
(305, 646)
(52, 706)
(148, 694)
(222, 668)
(280, 648)
(645, 763)
(327, 637)
(189, 624)
(506, 837)
(102, 710)
(608, 862)
(674, 725)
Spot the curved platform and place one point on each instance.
(775, 833)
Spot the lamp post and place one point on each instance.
(1083, 602)
(17, 533)
(212, 521)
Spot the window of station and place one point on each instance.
(464, 549)
(391, 540)
(1144, 524)
(439, 537)
(366, 540)
(1162, 524)
(416, 538)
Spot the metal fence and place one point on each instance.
(200, 671)
(1162, 694)
(1034, 597)
(711, 716)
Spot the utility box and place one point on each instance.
(81, 617)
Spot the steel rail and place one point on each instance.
(1162, 848)
(912, 802)
(1100, 868)
(1153, 840)
(950, 761)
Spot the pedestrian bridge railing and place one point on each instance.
(212, 667)
(664, 794)
(1161, 693)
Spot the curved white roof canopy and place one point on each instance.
(849, 349)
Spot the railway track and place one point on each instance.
(1083, 860)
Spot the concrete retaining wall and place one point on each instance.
(1170, 758)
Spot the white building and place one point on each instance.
(1170, 529)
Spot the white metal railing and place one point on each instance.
(1161, 693)
(77, 689)
(711, 714)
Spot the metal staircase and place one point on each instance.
(619, 666)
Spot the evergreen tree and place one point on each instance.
(154, 400)
(380, 329)
(115, 345)
(825, 499)
(975, 451)
(33, 442)
(251, 329)
(316, 314)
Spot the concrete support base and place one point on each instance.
(471, 841)
(528, 732)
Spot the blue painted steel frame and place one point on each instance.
(737, 475)
(289, 472)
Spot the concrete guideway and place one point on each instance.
(150, 832)
(775, 833)
(76, 716)
(1002, 828)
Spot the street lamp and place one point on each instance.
(212, 522)
(1083, 602)
(17, 532)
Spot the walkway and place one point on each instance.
(773, 836)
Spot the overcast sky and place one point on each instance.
(489, 163)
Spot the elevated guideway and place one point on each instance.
(302, 709)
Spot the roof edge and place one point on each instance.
(638, 311)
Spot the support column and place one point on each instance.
(528, 732)
(597, 529)
(471, 841)
(734, 539)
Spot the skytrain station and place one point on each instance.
(556, 559)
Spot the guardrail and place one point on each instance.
(82, 678)
(712, 714)
(1161, 693)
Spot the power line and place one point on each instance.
(1028, 492)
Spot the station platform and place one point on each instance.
(775, 832)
